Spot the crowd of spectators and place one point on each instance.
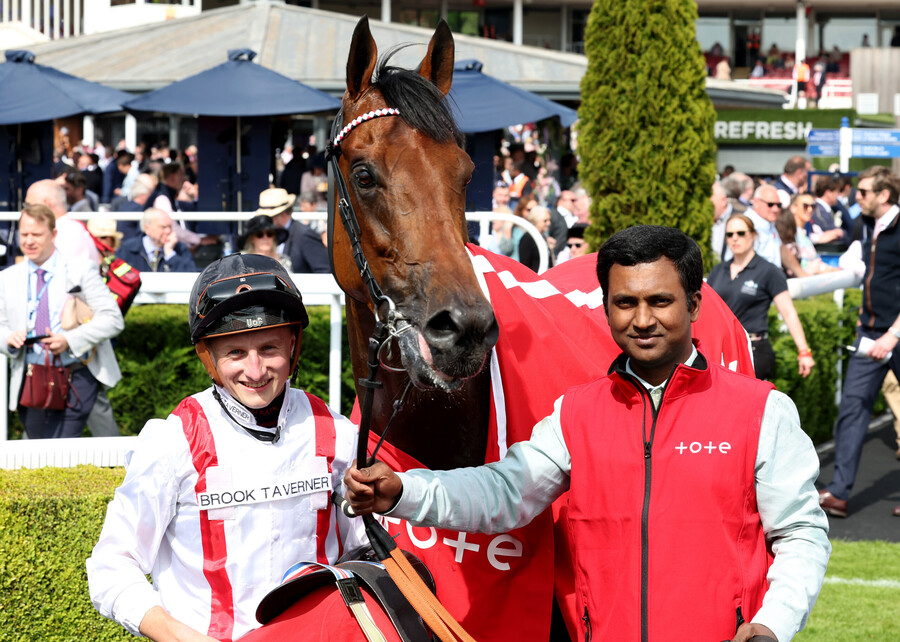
(159, 180)
(547, 195)
(797, 225)
(52, 257)
(821, 223)
(777, 68)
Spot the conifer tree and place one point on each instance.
(645, 132)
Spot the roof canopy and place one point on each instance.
(308, 45)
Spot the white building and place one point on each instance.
(552, 24)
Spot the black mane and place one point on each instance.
(422, 105)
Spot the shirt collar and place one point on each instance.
(788, 182)
(149, 245)
(761, 224)
(650, 387)
(244, 418)
(884, 221)
(49, 266)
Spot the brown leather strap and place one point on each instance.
(424, 601)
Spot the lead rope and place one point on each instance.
(425, 603)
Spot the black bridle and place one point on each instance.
(388, 324)
(345, 207)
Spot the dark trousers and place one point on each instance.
(52, 424)
(861, 386)
(763, 359)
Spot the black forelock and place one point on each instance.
(421, 104)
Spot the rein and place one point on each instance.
(392, 325)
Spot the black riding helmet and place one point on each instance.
(243, 293)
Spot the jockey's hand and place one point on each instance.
(375, 489)
(159, 626)
(749, 631)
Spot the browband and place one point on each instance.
(359, 120)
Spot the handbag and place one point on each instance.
(122, 279)
(75, 312)
(46, 386)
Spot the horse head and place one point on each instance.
(406, 177)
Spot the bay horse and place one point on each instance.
(407, 179)
(458, 383)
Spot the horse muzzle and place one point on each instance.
(452, 345)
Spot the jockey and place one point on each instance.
(232, 488)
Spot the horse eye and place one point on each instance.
(364, 178)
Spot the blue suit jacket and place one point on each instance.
(306, 250)
(132, 251)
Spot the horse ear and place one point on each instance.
(361, 63)
(437, 66)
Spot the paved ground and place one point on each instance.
(877, 488)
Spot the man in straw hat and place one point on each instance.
(303, 246)
(105, 230)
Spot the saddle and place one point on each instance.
(359, 585)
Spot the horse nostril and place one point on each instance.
(442, 331)
(455, 328)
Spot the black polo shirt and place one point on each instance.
(750, 294)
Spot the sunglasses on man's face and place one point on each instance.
(574, 244)
(862, 192)
(777, 204)
(267, 233)
(740, 233)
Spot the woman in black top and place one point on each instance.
(749, 285)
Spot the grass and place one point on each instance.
(861, 596)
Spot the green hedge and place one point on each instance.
(49, 522)
(827, 330)
(160, 368)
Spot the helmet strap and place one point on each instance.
(295, 357)
(207, 360)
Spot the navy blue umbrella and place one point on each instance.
(33, 93)
(482, 103)
(237, 87)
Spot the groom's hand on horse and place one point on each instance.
(751, 632)
(372, 490)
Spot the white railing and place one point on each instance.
(483, 218)
(837, 94)
(175, 288)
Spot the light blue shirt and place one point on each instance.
(55, 303)
(505, 495)
(52, 269)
